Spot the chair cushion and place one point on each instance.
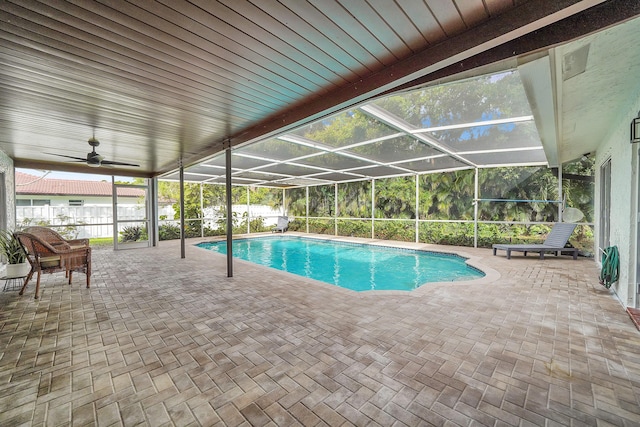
(49, 261)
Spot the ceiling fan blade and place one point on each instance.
(109, 162)
(94, 159)
(81, 159)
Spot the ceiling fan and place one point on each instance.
(94, 159)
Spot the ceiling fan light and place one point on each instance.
(93, 165)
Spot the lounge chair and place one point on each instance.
(555, 242)
(283, 224)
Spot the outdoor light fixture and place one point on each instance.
(635, 129)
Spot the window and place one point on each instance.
(32, 202)
(76, 202)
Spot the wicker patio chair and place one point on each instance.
(47, 258)
(53, 237)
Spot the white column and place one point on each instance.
(201, 212)
(560, 196)
(307, 204)
(248, 211)
(335, 209)
(475, 210)
(373, 208)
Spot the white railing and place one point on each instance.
(90, 221)
(97, 220)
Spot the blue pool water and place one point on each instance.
(352, 266)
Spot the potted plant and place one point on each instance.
(12, 251)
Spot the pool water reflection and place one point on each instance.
(353, 266)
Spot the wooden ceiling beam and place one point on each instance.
(594, 19)
(80, 168)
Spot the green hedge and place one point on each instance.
(171, 230)
(441, 233)
(404, 231)
(354, 228)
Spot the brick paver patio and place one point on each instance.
(160, 340)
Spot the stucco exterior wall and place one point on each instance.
(7, 202)
(624, 204)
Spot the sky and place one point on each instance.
(71, 175)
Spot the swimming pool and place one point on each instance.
(349, 265)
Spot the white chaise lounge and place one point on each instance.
(555, 242)
(283, 224)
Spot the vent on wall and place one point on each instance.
(574, 63)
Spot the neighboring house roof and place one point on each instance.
(27, 184)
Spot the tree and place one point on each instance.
(447, 195)
(518, 183)
(321, 201)
(395, 198)
(578, 185)
(354, 199)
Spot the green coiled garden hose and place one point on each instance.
(610, 266)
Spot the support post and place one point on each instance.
(335, 209)
(153, 215)
(307, 204)
(417, 207)
(475, 210)
(283, 209)
(182, 233)
(201, 212)
(373, 208)
(229, 210)
(560, 195)
(114, 209)
(248, 211)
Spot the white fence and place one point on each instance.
(97, 220)
(91, 221)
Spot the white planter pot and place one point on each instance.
(17, 270)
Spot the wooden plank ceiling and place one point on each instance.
(156, 81)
